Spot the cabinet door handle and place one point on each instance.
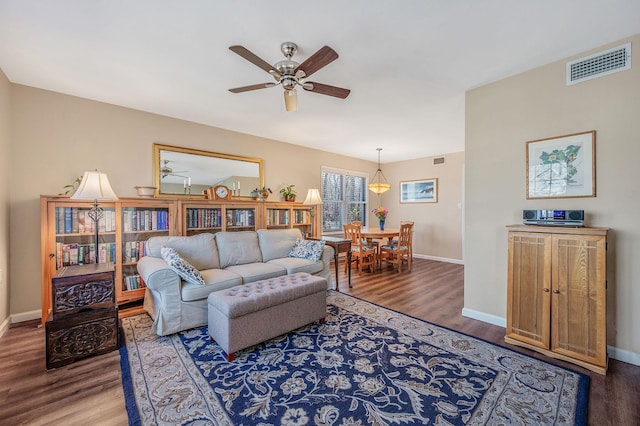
(556, 291)
(546, 290)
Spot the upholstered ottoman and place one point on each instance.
(248, 314)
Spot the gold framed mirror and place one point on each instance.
(186, 172)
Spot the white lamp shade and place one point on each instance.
(313, 197)
(291, 100)
(94, 186)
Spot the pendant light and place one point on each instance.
(379, 183)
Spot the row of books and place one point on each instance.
(145, 220)
(241, 217)
(302, 216)
(204, 218)
(133, 251)
(74, 220)
(83, 254)
(278, 217)
(282, 217)
(132, 282)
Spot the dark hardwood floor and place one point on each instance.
(89, 392)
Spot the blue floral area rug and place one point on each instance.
(367, 365)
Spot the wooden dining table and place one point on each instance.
(371, 233)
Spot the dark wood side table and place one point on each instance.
(340, 245)
(84, 314)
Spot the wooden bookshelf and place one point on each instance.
(67, 236)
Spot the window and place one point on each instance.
(344, 196)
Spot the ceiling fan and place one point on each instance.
(290, 73)
(165, 170)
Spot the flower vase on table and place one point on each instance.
(381, 213)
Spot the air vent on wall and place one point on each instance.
(599, 64)
(438, 160)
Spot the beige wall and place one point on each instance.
(438, 226)
(5, 155)
(500, 118)
(57, 137)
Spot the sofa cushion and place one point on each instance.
(251, 272)
(215, 280)
(238, 248)
(199, 250)
(180, 266)
(277, 243)
(294, 264)
(307, 249)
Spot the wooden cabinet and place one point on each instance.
(556, 294)
(84, 316)
(68, 239)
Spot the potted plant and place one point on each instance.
(288, 193)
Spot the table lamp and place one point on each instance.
(95, 186)
(313, 199)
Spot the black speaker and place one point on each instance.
(575, 214)
(529, 214)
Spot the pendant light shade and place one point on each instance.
(291, 100)
(379, 183)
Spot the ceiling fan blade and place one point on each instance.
(325, 89)
(321, 58)
(252, 57)
(252, 87)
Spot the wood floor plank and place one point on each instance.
(89, 391)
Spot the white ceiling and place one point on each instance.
(408, 63)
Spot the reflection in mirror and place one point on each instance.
(189, 172)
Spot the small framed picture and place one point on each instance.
(419, 191)
(562, 167)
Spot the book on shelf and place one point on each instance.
(83, 254)
(133, 251)
(278, 217)
(132, 282)
(241, 217)
(135, 219)
(74, 220)
(204, 218)
(302, 217)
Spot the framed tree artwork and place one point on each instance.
(562, 167)
(419, 191)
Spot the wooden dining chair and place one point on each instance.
(370, 242)
(402, 250)
(361, 254)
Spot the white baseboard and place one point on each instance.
(439, 259)
(484, 317)
(26, 316)
(615, 353)
(624, 355)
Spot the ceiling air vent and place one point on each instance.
(599, 64)
(438, 160)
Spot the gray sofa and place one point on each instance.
(224, 259)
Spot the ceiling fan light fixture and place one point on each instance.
(379, 183)
(291, 100)
(289, 73)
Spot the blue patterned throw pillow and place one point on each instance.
(180, 266)
(307, 249)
